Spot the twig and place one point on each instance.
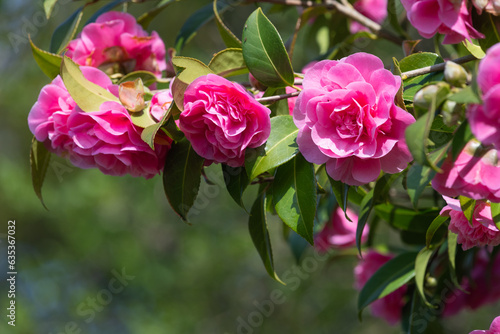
(275, 98)
(435, 68)
(348, 11)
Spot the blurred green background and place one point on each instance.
(204, 278)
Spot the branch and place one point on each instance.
(435, 68)
(275, 98)
(348, 11)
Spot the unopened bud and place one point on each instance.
(455, 74)
(451, 113)
(424, 97)
(480, 4)
(131, 94)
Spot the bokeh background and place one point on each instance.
(203, 278)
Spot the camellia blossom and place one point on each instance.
(483, 231)
(485, 119)
(339, 232)
(389, 307)
(474, 174)
(105, 139)
(494, 328)
(347, 118)
(116, 43)
(221, 119)
(373, 9)
(451, 18)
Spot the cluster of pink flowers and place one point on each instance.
(347, 118)
(451, 18)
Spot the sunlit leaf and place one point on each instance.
(416, 61)
(48, 62)
(495, 213)
(189, 69)
(474, 49)
(421, 263)
(228, 62)
(433, 227)
(48, 7)
(468, 206)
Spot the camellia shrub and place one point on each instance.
(346, 144)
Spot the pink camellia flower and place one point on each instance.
(390, 306)
(451, 18)
(105, 139)
(347, 118)
(373, 9)
(160, 102)
(483, 231)
(221, 119)
(116, 43)
(339, 232)
(494, 328)
(485, 119)
(474, 174)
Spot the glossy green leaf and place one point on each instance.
(365, 209)
(279, 148)
(188, 70)
(227, 35)
(181, 177)
(433, 227)
(48, 7)
(474, 49)
(149, 132)
(236, 180)
(452, 251)
(341, 192)
(39, 160)
(228, 62)
(487, 24)
(145, 19)
(462, 136)
(86, 94)
(65, 31)
(495, 213)
(468, 205)
(416, 61)
(465, 95)
(257, 226)
(147, 78)
(294, 196)
(265, 53)
(391, 276)
(406, 219)
(49, 63)
(421, 263)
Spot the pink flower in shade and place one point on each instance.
(116, 43)
(221, 119)
(373, 9)
(451, 18)
(474, 174)
(494, 328)
(339, 232)
(485, 119)
(483, 231)
(160, 102)
(347, 118)
(390, 306)
(105, 139)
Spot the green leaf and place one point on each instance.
(452, 252)
(65, 31)
(228, 62)
(104, 9)
(145, 19)
(48, 7)
(495, 213)
(487, 24)
(393, 17)
(227, 35)
(365, 209)
(416, 61)
(86, 94)
(181, 177)
(294, 196)
(147, 78)
(406, 219)
(466, 96)
(341, 192)
(265, 53)
(279, 107)
(474, 49)
(462, 136)
(149, 132)
(236, 180)
(433, 227)
(279, 148)
(419, 177)
(39, 160)
(188, 70)
(468, 205)
(391, 276)
(421, 263)
(257, 225)
(399, 95)
(49, 63)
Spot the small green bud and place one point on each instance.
(455, 74)
(423, 98)
(451, 113)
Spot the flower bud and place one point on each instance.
(451, 113)
(131, 94)
(423, 98)
(480, 4)
(455, 74)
